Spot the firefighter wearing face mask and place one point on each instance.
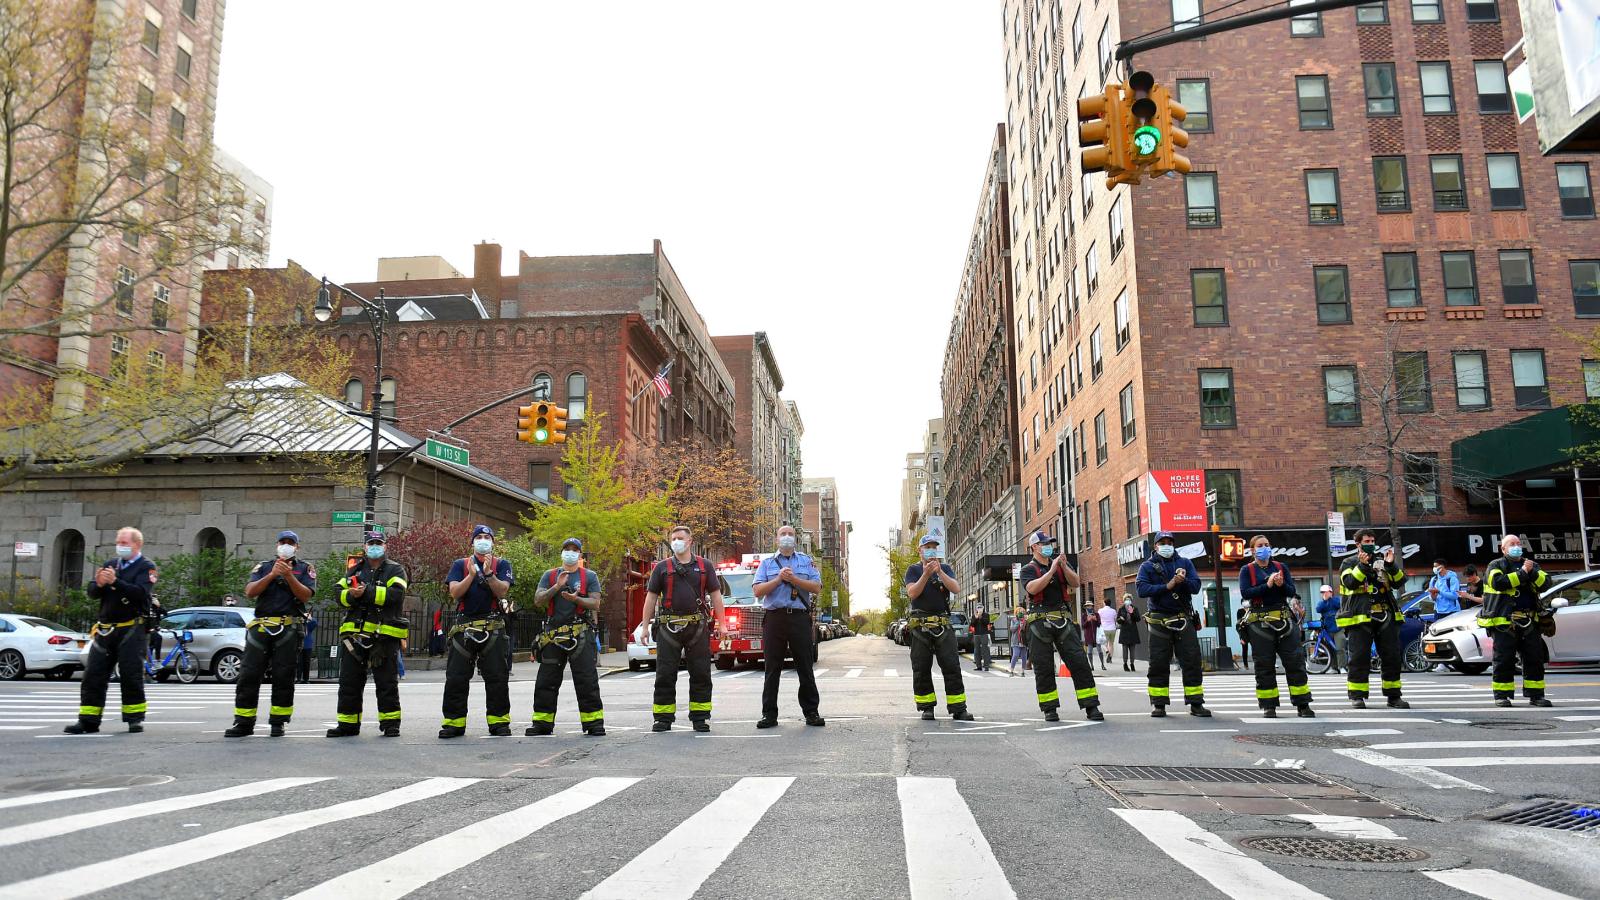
(1512, 614)
(373, 593)
(281, 588)
(1368, 614)
(479, 584)
(1051, 628)
(570, 596)
(1269, 625)
(1169, 582)
(929, 584)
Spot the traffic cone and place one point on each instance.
(1063, 671)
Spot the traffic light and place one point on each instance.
(1232, 547)
(558, 425)
(1153, 132)
(1103, 121)
(533, 423)
(1169, 113)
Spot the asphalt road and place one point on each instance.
(878, 804)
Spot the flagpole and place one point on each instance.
(649, 384)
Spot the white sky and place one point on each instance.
(811, 168)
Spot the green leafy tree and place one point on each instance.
(529, 559)
(197, 579)
(898, 560)
(831, 583)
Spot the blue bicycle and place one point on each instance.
(178, 660)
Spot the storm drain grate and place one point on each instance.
(1202, 774)
(1334, 849)
(1299, 740)
(1557, 814)
(1511, 725)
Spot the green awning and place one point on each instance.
(1539, 443)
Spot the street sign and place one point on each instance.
(447, 452)
(1211, 498)
(348, 517)
(24, 549)
(835, 598)
(1016, 571)
(1336, 538)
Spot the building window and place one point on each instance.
(119, 358)
(1421, 475)
(1216, 398)
(1307, 24)
(1516, 277)
(1130, 508)
(1101, 451)
(1482, 11)
(386, 388)
(354, 393)
(1449, 188)
(1185, 14)
(1208, 290)
(1577, 200)
(69, 570)
(1460, 279)
(1200, 192)
(577, 396)
(1412, 393)
(1229, 511)
(1105, 522)
(1426, 11)
(1322, 196)
(1097, 363)
(1343, 406)
(1105, 50)
(155, 363)
(1529, 386)
(1311, 92)
(152, 38)
(541, 386)
(161, 306)
(1194, 95)
(1585, 286)
(1591, 379)
(122, 293)
(190, 8)
(1130, 428)
(1091, 269)
(1077, 35)
(1494, 95)
(1505, 181)
(1472, 379)
(144, 101)
(1038, 493)
(176, 123)
(1121, 313)
(184, 64)
(1333, 294)
(1372, 14)
(1350, 493)
(1437, 96)
(1400, 278)
(1389, 179)
(1382, 98)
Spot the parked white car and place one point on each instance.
(1457, 640)
(31, 644)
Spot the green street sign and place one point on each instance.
(1146, 139)
(348, 518)
(447, 452)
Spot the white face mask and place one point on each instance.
(1165, 550)
(483, 545)
(569, 557)
(124, 551)
(785, 542)
(286, 551)
(679, 545)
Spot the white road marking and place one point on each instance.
(820, 672)
(1579, 718)
(1494, 885)
(1228, 869)
(1068, 725)
(1411, 769)
(1358, 732)
(1483, 745)
(891, 673)
(53, 796)
(21, 727)
(1321, 718)
(739, 674)
(696, 848)
(1203, 731)
(34, 831)
(115, 872)
(853, 673)
(947, 855)
(408, 870)
(1281, 763)
(1350, 826)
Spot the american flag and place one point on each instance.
(660, 381)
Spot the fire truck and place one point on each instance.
(741, 609)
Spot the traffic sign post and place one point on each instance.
(447, 452)
(348, 517)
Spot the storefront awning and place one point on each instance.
(1539, 443)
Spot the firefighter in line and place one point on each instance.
(930, 584)
(571, 596)
(688, 588)
(281, 588)
(1270, 627)
(118, 640)
(1368, 614)
(1169, 582)
(478, 583)
(1515, 621)
(1052, 628)
(373, 593)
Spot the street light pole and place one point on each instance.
(377, 312)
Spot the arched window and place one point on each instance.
(210, 539)
(211, 544)
(353, 391)
(577, 394)
(541, 386)
(386, 408)
(69, 560)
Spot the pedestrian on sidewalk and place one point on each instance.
(1108, 628)
(308, 646)
(1328, 610)
(1128, 620)
(1047, 579)
(1471, 592)
(982, 630)
(1019, 641)
(786, 583)
(1093, 642)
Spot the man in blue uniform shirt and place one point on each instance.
(786, 582)
(281, 588)
(1169, 582)
(479, 584)
(122, 586)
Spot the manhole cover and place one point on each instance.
(1202, 774)
(40, 785)
(1512, 725)
(1299, 740)
(1557, 814)
(1334, 849)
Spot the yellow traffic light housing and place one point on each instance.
(1103, 132)
(558, 426)
(1169, 113)
(525, 418)
(542, 423)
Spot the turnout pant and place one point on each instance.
(489, 658)
(1269, 645)
(380, 660)
(788, 631)
(691, 644)
(1510, 642)
(554, 658)
(1046, 639)
(263, 654)
(1166, 642)
(123, 648)
(1359, 639)
(927, 645)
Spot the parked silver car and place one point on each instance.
(218, 632)
(1460, 643)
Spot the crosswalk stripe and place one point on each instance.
(114, 872)
(1494, 885)
(853, 673)
(947, 855)
(20, 727)
(820, 672)
(739, 674)
(53, 796)
(1416, 769)
(891, 673)
(1210, 857)
(34, 831)
(693, 851)
(421, 865)
(1350, 826)
(1483, 745)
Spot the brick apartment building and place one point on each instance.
(792, 511)
(981, 495)
(762, 431)
(830, 535)
(1365, 212)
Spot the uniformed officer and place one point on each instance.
(1169, 582)
(1051, 628)
(122, 586)
(685, 629)
(1367, 614)
(373, 593)
(570, 596)
(785, 582)
(478, 583)
(929, 585)
(281, 589)
(1269, 625)
(1512, 614)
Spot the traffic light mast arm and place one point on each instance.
(1128, 49)
(446, 430)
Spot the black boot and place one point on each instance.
(595, 729)
(389, 729)
(241, 727)
(1270, 712)
(1094, 714)
(927, 715)
(278, 729)
(815, 719)
(1397, 703)
(658, 726)
(1305, 712)
(702, 725)
(500, 729)
(82, 727)
(961, 715)
(1539, 701)
(542, 729)
(1196, 709)
(451, 731)
(1502, 701)
(343, 729)
(1158, 712)
(767, 722)
(1052, 716)
(136, 726)
(1358, 703)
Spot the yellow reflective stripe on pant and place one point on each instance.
(493, 720)
(1533, 685)
(349, 718)
(282, 711)
(551, 717)
(1299, 690)
(390, 716)
(1088, 692)
(1347, 621)
(1050, 697)
(129, 709)
(1356, 687)
(699, 707)
(243, 713)
(1391, 685)
(1269, 694)
(600, 714)
(1193, 690)
(453, 723)
(925, 698)
(1507, 686)
(90, 710)
(660, 709)
(1159, 691)
(955, 699)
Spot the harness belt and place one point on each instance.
(929, 623)
(677, 623)
(108, 627)
(566, 637)
(1057, 618)
(272, 626)
(1182, 620)
(483, 626)
(1277, 619)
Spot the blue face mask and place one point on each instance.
(374, 551)
(930, 552)
(1046, 551)
(1263, 553)
(569, 557)
(1514, 552)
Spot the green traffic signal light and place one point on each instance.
(1146, 140)
(541, 436)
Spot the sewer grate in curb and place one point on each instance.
(1511, 725)
(1557, 814)
(1202, 774)
(1334, 849)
